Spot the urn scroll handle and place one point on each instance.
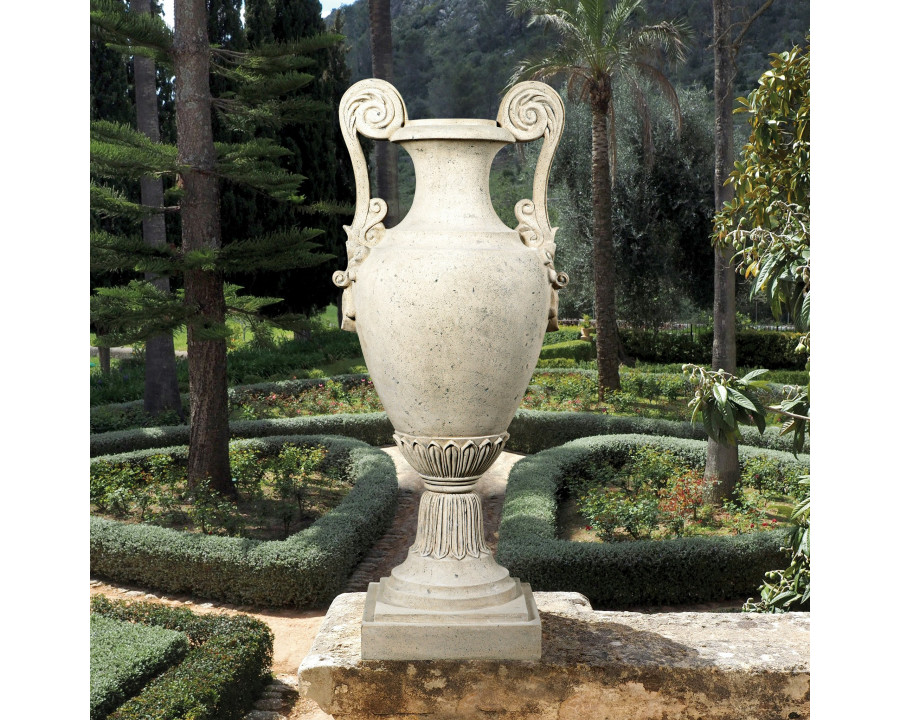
(531, 110)
(372, 108)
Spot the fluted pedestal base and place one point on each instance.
(449, 599)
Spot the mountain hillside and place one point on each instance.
(453, 58)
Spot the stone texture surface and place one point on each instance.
(598, 665)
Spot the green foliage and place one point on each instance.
(293, 468)
(530, 431)
(617, 575)
(124, 656)
(768, 221)
(371, 428)
(249, 85)
(724, 402)
(789, 589)
(577, 350)
(142, 34)
(755, 348)
(221, 676)
(607, 510)
(306, 570)
(772, 478)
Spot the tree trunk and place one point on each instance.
(383, 69)
(103, 354)
(161, 381)
(722, 472)
(200, 229)
(604, 267)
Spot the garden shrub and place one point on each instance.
(533, 430)
(124, 656)
(119, 416)
(755, 348)
(573, 349)
(564, 334)
(308, 569)
(617, 575)
(530, 431)
(370, 428)
(220, 677)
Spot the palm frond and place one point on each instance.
(658, 78)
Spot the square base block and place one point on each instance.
(506, 632)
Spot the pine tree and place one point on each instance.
(316, 153)
(253, 97)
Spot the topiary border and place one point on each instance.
(621, 575)
(530, 431)
(221, 676)
(125, 656)
(308, 569)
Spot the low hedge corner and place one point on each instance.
(626, 574)
(308, 569)
(223, 673)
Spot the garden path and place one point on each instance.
(295, 630)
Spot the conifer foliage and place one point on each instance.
(253, 82)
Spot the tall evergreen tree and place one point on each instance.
(141, 310)
(110, 100)
(161, 392)
(315, 153)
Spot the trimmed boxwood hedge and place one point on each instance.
(755, 348)
(626, 574)
(530, 430)
(236, 393)
(221, 676)
(307, 569)
(534, 430)
(124, 656)
(370, 428)
(574, 349)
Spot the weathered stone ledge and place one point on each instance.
(595, 664)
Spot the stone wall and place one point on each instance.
(595, 665)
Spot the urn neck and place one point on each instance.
(452, 161)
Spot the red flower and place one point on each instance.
(587, 527)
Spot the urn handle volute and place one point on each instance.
(532, 110)
(372, 108)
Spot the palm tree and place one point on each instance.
(601, 45)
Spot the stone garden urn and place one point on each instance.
(450, 306)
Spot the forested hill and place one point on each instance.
(452, 58)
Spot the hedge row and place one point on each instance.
(103, 415)
(221, 676)
(307, 569)
(617, 575)
(530, 430)
(124, 656)
(755, 348)
(370, 428)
